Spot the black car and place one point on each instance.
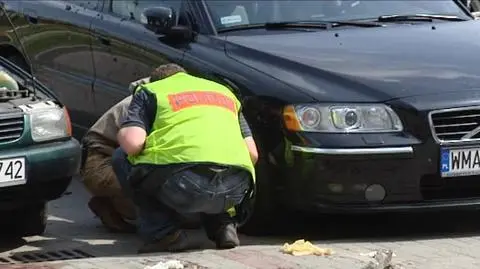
(357, 106)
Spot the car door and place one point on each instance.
(125, 51)
(58, 41)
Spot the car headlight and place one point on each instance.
(49, 124)
(335, 118)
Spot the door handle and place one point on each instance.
(103, 40)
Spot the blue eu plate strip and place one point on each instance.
(445, 160)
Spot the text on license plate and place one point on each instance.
(12, 172)
(460, 162)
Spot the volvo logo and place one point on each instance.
(471, 134)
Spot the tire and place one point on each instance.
(31, 221)
(261, 209)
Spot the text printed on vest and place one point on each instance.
(184, 100)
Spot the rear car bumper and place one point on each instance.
(50, 168)
(375, 179)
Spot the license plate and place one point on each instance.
(460, 162)
(12, 172)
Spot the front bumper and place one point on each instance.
(337, 180)
(50, 168)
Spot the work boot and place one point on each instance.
(176, 241)
(226, 237)
(222, 230)
(112, 220)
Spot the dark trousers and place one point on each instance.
(195, 190)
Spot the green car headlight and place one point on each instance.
(49, 124)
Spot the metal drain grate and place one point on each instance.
(45, 256)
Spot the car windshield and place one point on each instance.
(237, 12)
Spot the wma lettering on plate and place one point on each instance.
(460, 162)
(465, 159)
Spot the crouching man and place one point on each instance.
(191, 152)
(114, 209)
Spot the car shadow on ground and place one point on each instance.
(372, 228)
(8, 242)
(323, 229)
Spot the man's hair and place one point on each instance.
(165, 70)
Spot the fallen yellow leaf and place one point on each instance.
(302, 248)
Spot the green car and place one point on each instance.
(38, 155)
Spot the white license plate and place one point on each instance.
(12, 172)
(459, 162)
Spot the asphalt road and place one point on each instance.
(428, 239)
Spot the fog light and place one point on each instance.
(375, 193)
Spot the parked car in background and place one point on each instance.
(38, 156)
(357, 106)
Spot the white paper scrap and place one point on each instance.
(170, 264)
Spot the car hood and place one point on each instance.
(367, 64)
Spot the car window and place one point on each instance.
(473, 5)
(90, 4)
(133, 9)
(240, 12)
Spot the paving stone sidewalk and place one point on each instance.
(442, 253)
(251, 257)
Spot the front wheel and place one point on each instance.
(260, 211)
(31, 221)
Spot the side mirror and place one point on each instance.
(163, 20)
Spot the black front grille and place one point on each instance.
(11, 127)
(453, 125)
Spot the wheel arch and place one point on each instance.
(9, 52)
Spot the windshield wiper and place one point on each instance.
(418, 17)
(326, 24)
(299, 25)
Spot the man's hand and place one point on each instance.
(133, 85)
(252, 149)
(132, 139)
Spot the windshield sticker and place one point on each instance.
(231, 19)
(354, 4)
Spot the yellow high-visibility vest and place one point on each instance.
(196, 121)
